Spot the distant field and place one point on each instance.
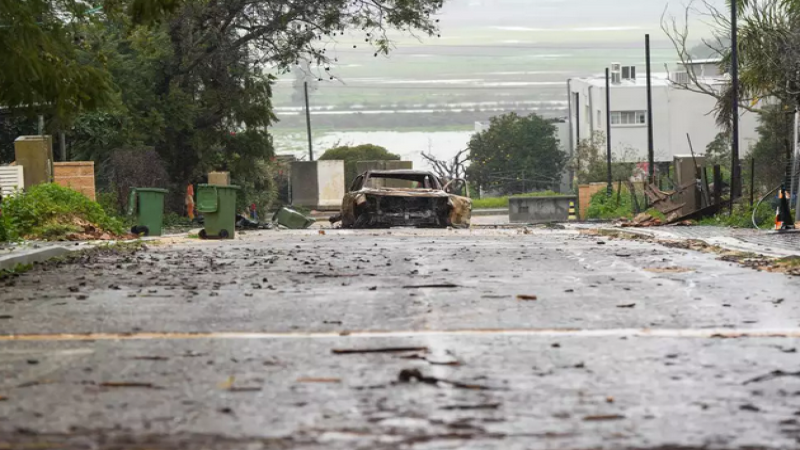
(475, 73)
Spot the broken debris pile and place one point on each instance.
(642, 220)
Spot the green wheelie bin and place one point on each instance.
(218, 206)
(148, 206)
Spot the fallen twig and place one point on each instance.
(378, 350)
(772, 375)
(128, 384)
(433, 286)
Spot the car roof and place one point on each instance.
(398, 172)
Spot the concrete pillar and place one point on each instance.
(35, 155)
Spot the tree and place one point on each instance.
(773, 151)
(352, 155)
(190, 81)
(769, 53)
(46, 66)
(449, 169)
(589, 163)
(718, 151)
(516, 154)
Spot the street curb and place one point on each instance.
(11, 262)
(728, 243)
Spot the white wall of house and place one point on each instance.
(675, 113)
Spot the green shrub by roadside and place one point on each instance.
(49, 211)
(617, 206)
(742, 217)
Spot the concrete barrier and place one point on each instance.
(539, 209)
(35, 155)
(318, 184)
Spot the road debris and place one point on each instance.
(379, 350)
(527, 297)
(318, 380)
(471, 407)
(603, 418)
(668, 269)
(433, 286)
(772, 375)
(629, 305)
(150, 358)
(414, 375)
(641, 221)
(128, 384)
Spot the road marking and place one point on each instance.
(622, 332)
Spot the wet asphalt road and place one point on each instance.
(258, 343)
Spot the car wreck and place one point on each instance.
(404, 198)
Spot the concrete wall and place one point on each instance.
(77, 175)
(675, 113)
(318, 184)
(540, 209)
(35, 155)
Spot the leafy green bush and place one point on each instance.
(49, 211)
(618, 205)
(742, 216)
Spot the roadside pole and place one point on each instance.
(735, 173)
(650, 146)
(610, 188)
(796, 166)
(308, 124)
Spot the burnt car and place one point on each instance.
(404, 198)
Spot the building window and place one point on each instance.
(628, 117)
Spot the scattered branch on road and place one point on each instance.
(379, 350)
(772, 375)
(527, 297)
(433, 286)
(128, 384)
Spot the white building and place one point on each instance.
(676, 112)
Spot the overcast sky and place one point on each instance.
(642, 14)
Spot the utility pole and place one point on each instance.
(610, 188)
(796, 165)
(308, 124)
(62, 142)
(735, 175)
(650, 146)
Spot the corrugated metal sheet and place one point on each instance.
(11, 179)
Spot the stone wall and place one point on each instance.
(540, 209)
(77, 175)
